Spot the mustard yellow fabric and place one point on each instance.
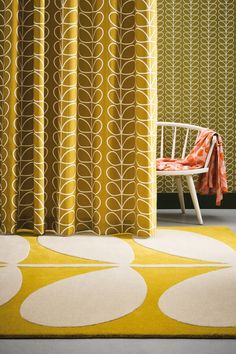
(78, 110)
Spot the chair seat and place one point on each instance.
(182, 172)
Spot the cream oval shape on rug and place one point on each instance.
(204, 300)
(13, 249)
(189, 245)
(86, 299)
(10, 283)
(100, 248)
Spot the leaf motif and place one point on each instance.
(13, 249)
(100, 248)
(204, 300)
(190, 245)
(10, 283)
(86, 299)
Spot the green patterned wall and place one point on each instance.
(196, 73)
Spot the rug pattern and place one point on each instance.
(180, 282)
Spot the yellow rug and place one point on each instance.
(179, 283)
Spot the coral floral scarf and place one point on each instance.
(212, 182)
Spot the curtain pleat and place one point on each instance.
(38, 118)
(145, 112)
(65, 165)
(78, 113)
(8, 158)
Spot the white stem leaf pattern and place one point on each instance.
(78, 103)
(196, 73)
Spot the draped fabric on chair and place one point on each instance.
(78, 110)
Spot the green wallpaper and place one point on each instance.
(196, 72)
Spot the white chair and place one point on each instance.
(184, 128)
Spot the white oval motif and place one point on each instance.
(189, 245)
(10, 283)
(86, 299)
(204, 300)
(100, 248)
(13, 249)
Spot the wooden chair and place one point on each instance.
(186, 129)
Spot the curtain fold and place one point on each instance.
(8, 130)
(78, 112)
(38, 116)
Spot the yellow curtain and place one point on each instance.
(78, 112)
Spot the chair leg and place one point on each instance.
(180, 193)
(193, 193)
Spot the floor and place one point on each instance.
(226, 217)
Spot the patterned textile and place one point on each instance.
(78, 116)
(196, 73)
(212, 182)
